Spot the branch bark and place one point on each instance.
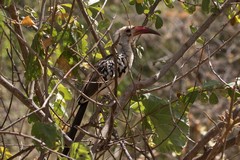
(137, 85)
(11, 10)
(90, 25)
(229, 143)
(17, 93)
(200, 145)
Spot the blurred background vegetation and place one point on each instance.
(58, 31)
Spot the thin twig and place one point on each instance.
(87, 19)
(41, 144)
(30, 148)
(150, 81)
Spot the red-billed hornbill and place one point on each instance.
(102, 78)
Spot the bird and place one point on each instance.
(102, 78)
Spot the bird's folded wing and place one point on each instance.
(100, 79)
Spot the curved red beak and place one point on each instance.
(137, 30)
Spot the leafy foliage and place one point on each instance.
(4, 153)
(159, 119)
(158, 123)
(206, 6)
(47, 133)
(33, 68)
(79, 151)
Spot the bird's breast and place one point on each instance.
(107, 67)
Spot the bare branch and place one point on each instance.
(90, 24)
(150, 81)
(17, 93)
(13, 14)
(200, 145)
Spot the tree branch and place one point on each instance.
(137, 85)
(229, 143)
(17, 27)
(151, 11)
(90, 24)
(17, 93)
(206, 138)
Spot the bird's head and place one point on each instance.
(126, 34)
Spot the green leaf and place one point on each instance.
(33, 66)
(158, 22)
(220, 1)
(33, 118)
(157, 12)
(1, 21)
(98, 56)
(59, 108)
(232, 92)
(31, 11)
(139, 8)
(66, 93)
(203, 97)
(79, 151)
(206, 6)
(61, 9)
(195, 88)
(189, 7)
(159, 121)
(213, 99)
(132, 2)
(146, 11)
(109, 44)
(84, 44)
(96, 9)
(65, 37)
(7, 3)
(137, 107)
(200, 39)
(169, 3)
(139, 1)
(68, 5)
(89, 12)
(210, 85)
(190, 97)
(103, 24)
(193, 28)
(48, 133)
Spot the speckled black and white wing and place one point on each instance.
(101, 80)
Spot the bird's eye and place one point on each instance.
(128, 30)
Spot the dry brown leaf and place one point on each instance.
(46, 42)
(27, 21)
(63, 64)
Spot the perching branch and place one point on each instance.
(137, 85)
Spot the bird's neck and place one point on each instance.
(126, 49)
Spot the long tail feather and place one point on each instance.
(76, 122)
